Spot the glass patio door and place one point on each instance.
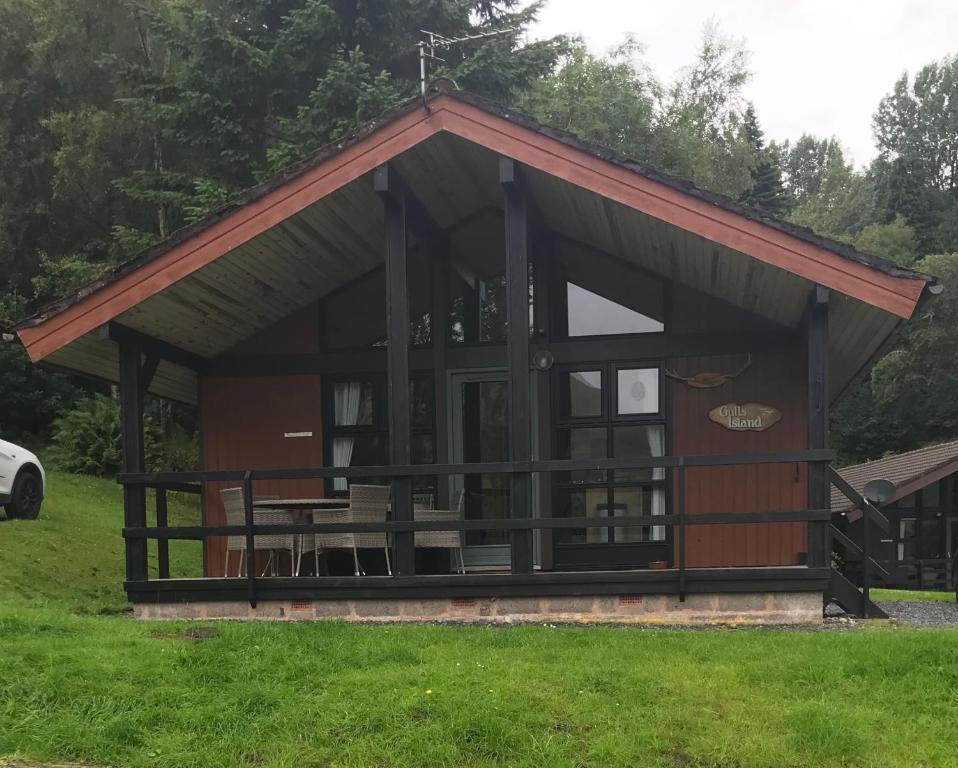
(479, 432)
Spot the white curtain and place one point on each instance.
(346, 398)
(657, 448)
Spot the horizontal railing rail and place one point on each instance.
(485, 468)
(193, 482)
(515, 524)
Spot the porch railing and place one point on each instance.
(676, 580)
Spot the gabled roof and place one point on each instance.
(906, 471)
(882, 293)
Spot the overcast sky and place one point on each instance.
(820, 66)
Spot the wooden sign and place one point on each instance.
(751, 417)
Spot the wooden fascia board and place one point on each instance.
(897, 295)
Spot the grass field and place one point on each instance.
(912, 595)
(108, 690)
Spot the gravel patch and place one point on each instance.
(922, 613)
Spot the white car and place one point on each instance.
(22, 481)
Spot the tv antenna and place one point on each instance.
(427, 48)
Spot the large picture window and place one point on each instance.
(610, 410)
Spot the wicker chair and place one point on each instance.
(367, 504)
(235, 507)
(443, 539)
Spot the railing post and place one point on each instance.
(250, 539)
(162, 545)
(681, 512)
(517, 345)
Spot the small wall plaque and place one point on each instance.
(297, 434)
(751, 417)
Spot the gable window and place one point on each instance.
(598, 295)
(590, 314)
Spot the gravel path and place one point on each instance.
(922, 613)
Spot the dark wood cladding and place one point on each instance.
(776, 378)
(244, 421)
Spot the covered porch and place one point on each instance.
(611, 384)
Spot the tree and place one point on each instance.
(911, 396)
(916, 172)
(610, 100)
(691, 127)
(767, 190)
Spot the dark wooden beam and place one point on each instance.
(131, 432)
(517, 345)
(819, 494)
(387, 180)
(439, 315)
(120, 333)
(542, 248)
(147, 372)
(387, 184)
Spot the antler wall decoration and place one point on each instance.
(709, 380)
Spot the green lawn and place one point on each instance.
(72, 555)
(113, 691)
(909, 595)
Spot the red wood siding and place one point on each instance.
(244, 419)
(777, 379)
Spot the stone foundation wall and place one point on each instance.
(698, 609)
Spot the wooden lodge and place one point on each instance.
(611, 388)
(919, 550)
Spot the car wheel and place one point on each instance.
(26, 497)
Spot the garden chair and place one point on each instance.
(443, 539)
(366, 504)
(233, 503)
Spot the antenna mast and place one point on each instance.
(445, 43)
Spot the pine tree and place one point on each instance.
(767, 191)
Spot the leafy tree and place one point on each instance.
(611, 100)
(894, 241)
(916, 172)
(911, 397)
(691, 127)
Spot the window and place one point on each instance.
(638, 391)
(359, 435)
(590, 314)
(597, 295)
(597, 421)
(580, 394)
(906, 538)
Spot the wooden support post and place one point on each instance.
(517, 303)
(131, 429)
(397, 356)
(162, 545)
(542, 380)
(819, 543)
(439, 316)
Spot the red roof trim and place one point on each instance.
(894, 294)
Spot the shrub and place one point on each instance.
(86, 439)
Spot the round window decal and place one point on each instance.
(638, 390)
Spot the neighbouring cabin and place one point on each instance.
(918, 551)
(592, 389)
